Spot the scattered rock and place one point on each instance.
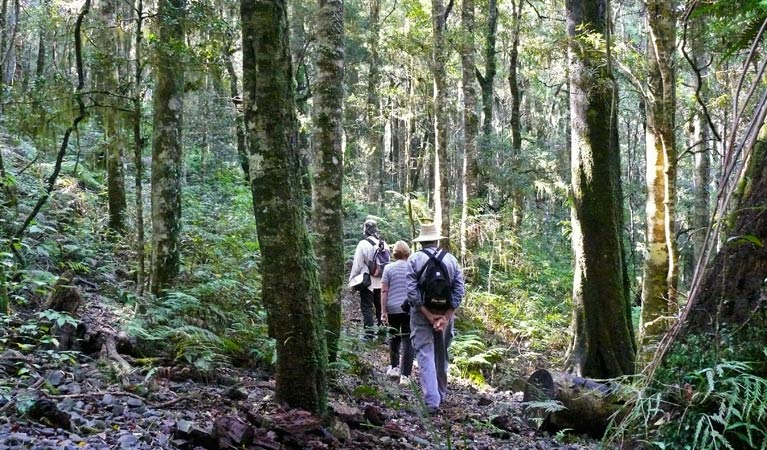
(374, 416)
(236, 393)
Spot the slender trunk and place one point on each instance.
(327, 217)
(517, 194)
(288, 266)
(470, 119)
(486, 83)
(138, 147)
(660, 268)
(373, 110)
(603, 344)
(441, 199)
(702, 154)
(242, 151)
(166, 147)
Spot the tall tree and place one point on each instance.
(373, 109)
(516, 121)
(137, 116)
(486, 82)
(470, 119)
(603, 343)
(438, 62)
(661, 270)
(328, 208)
(166, 145)
(106, 73)
(291, 291)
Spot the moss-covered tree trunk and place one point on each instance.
(699, 137)
(439, 70)
(327, 217)
(660, 267)
(166, 145)
(106, 75)
(234, 91)
(291, 290)
(731, 301)
(470, 118)
(603, 344)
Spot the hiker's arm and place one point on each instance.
(459, 289)
(413, 293)
(384, 298)
(430, 316)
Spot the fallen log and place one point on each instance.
(558, 401)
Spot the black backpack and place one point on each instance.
(381, 258)
(434, 281)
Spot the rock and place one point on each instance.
(134, 402)
(236, 393)
(128, 441)
(374, 416)
(232, 432)
(46, 409)
(340, 430)
(118, 410)
(72, 388)
(484, 400)
(55, 377)
(108, 400)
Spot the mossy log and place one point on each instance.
(64, 298)
(588, 404)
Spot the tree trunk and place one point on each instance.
(242, 150)
(660, 267)
(603, 344)
(166, 146)
(328, 208)
(138, 147)
(517, 194)
(486, 84)
(106, 73)
(702, 150)
(373, 111)
(291, 291)
(470, 119)
(439, 56)
(731, 296)
(588, 404)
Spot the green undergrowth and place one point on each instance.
(702, 397)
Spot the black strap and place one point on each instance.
(437, 259)
(380, 244)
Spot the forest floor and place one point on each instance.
(77, 400)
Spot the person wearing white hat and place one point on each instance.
(431, 319)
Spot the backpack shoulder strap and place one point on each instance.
(431, 256)
(370, 241)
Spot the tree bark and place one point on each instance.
(603, 344)
(373, 110)
(470, 118)
(588, 404)
(106, 72)
(138, 147)
(166, 146)
(731, 296)
(660, 268)
(515, 122)
(328, 185)
(441, 199)
(486, 83)
(234, 90)
(290, 286)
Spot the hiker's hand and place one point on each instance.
(440, 322)
(384, 318)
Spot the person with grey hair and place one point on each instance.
(433, 269)
(370, 296)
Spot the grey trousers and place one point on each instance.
(431, 349)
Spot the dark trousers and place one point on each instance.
(370, 303)
(399, 332)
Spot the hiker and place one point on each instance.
(435, 290)
(393, 297)
(370, 295)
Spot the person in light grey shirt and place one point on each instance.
(432, 322)
(393, 298)
(370, 297)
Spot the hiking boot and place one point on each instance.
(393, 372)
(404, 380)
(432, 410)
